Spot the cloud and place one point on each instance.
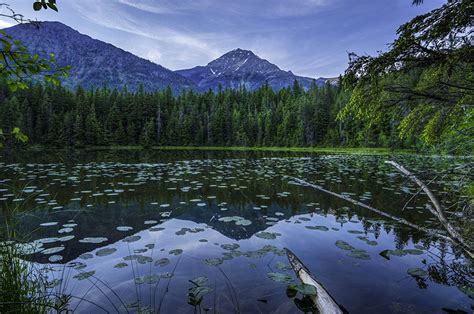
(6, 23)
(148, 7)
(122, 21)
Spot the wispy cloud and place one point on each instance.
(309, 37)
(184, 44)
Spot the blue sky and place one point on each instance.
(308, 37)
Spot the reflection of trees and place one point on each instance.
(445, 267)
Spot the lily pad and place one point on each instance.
(141, 259)
(344, 245)
(121, 265)
(267, 235)
(243, 222)
(49, 224)
(417, 272)
(124, 228)
(199, 281)
(282, 266)
(131, 239)
(280, 277)
(414, 251)
(55, 258)
(360, 254)
(230, 247)
(94, 240)
(320, 228)
(356, 232)
(84, 275)
(304, 288)
(213, 261)
(105, 251)
(162, 262)
(53, 250)
(66, 238)
(65, 230)
(147, 279)
(176, 252)
(86, 256)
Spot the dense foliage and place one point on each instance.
(426, 78)
(57, 116)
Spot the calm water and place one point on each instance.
(126, 228)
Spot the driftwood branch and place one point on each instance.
(429, 231)
(436, 209)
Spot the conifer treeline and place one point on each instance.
(56, 116)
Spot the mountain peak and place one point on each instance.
(240, 67)
(240, 52)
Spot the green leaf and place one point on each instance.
(52, 6)
(307, 289)
(279, 277)
(417, 272)
(385, 254)
(37, 6)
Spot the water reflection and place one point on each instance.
(147, 225)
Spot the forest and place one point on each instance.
(54, 116)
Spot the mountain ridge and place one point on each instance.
(94, 62)
(97, 63)
(240, 67)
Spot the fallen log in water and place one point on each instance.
(429, 231)
(323, 300)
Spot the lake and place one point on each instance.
(189, 231)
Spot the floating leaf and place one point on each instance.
(53, 250)
(306, 289)
(148, 279)
(267, 235)
(84, 275)
(356, 232)
(199, 281)
(176, 252)
(398, 252)
(213, 261)
(282, 266)
(360, 254)
(124, 228)
(243, 222)
(417, 272)
(233, 246)
(65, 230)
(131, 239)
(280, 277)
(414, 251)
(121, 265)
(105, 251)
(55, 258)
(344, 245)
(94, 240)
(141, 259)
(385, 254)
(86, 256)
(320, 228)
(162, 262)
(49, 224)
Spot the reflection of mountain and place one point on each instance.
(104, 219)
(139, 189)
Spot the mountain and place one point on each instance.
(95, 63)
(243, 68)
